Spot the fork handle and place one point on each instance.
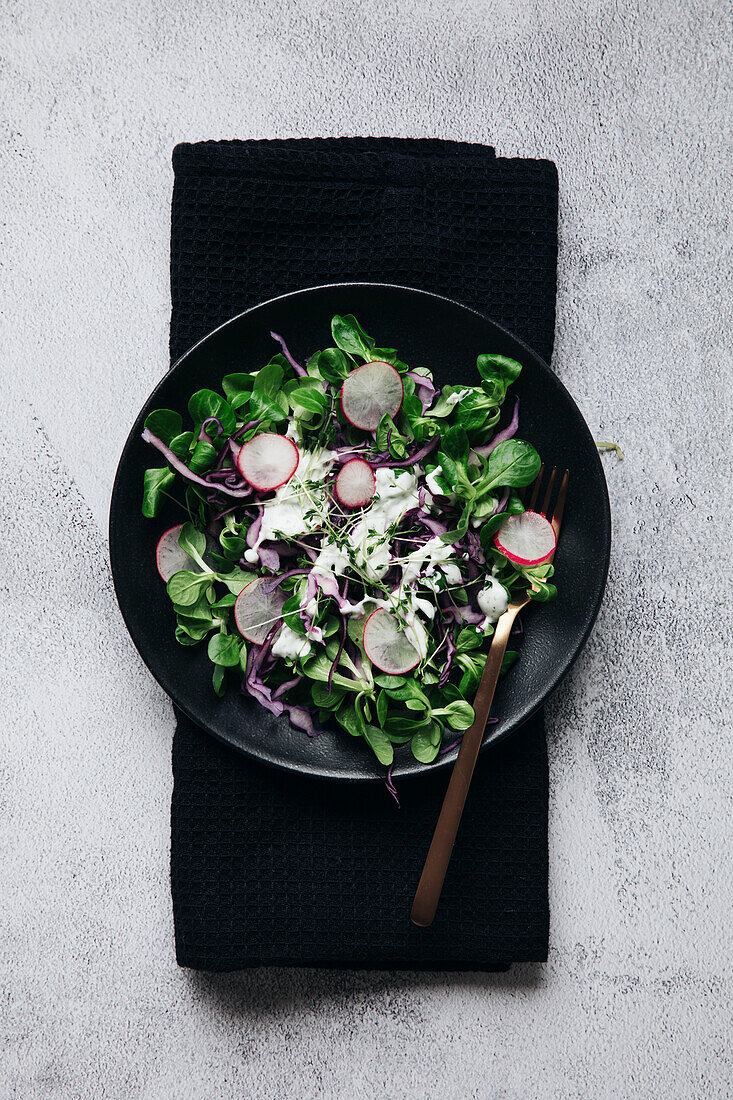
(430, 886)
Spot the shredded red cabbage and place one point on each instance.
(296, 366)
(506, 433)
(501, 503)
(424, 451)
(254, 529)
(241, 431)
(427, 389)
(181, 468)
(269, 558)
(431, 524)
(302, 719)
(287, 686)
(389, 784)
(475, 550)
(203, 434)
(451, 652)
(462, 615)
(271, 585)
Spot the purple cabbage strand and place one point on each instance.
(181, 468)
(501, 437)
(296, 366)
(424, 451)
(391, 789)
(243, 429)
(203, 434)
(302, 719)
(276, 581)
(501, 503)
(269, 558)
(448, 659)
(287, 686)
(423, 384)
(431, 524)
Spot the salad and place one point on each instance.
(351, 534)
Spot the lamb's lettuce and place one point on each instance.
(447, 438)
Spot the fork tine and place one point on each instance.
(560, 502)
(548, 494)
(535, 489)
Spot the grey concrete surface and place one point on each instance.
(633, 103)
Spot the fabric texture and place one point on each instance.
(270, 868)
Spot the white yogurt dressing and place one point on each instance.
(285, 513)
(414, 631)
(432, 484)
(331, 559)
(454, 398)
(290, 512)
(493, 599)
(423, 561)
(396, 493)
(289, 644)
(293, 432)
(405, 606)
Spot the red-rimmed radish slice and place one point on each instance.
(171, 558)
(268, 460)
(355, 483)
(256, 610)
(527, 539)
(369, 392)
(386, 644)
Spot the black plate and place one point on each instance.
(428, 331)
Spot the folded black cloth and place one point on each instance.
(271, 868)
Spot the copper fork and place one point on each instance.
(430, 886)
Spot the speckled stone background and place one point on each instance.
(632, 102)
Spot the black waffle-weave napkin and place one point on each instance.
(272, 868)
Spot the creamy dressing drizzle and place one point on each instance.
(454, 398)
(285, 514)
(493, 600)
(294, 510)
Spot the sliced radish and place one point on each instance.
(256, 610)
(386, 644)
(355, 483)
(369, 392)
(527, 539)
(268, 460)
(171, 558)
